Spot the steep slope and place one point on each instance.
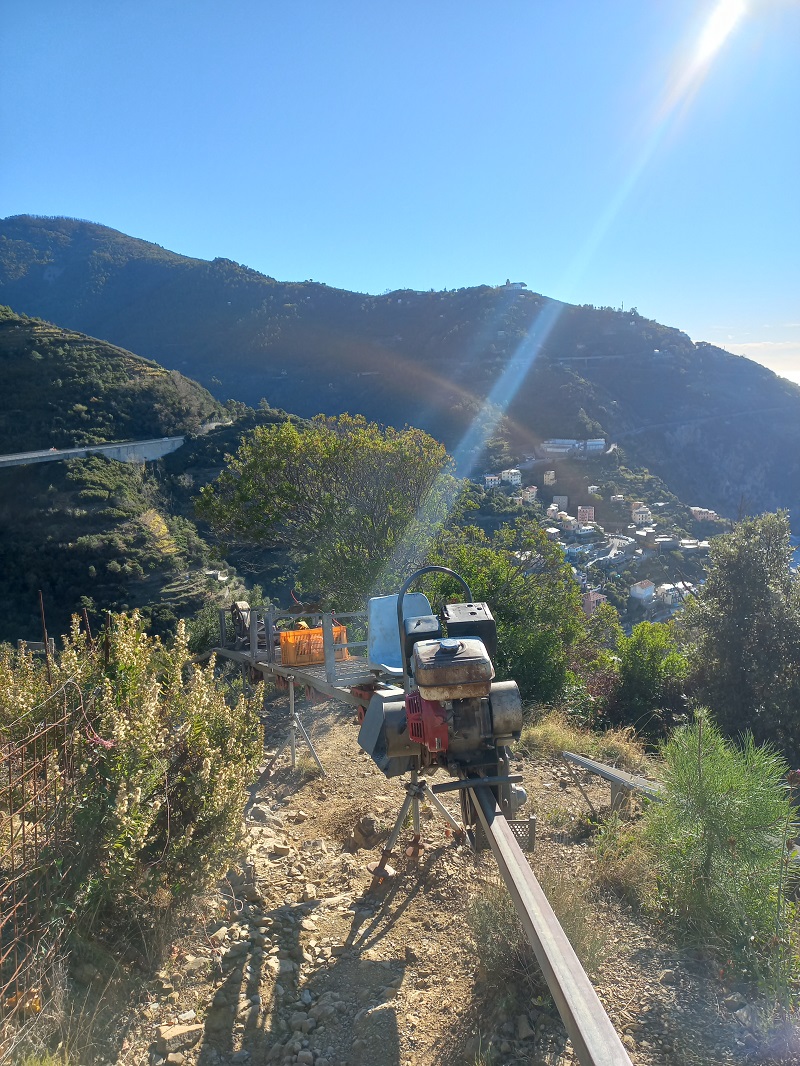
(720, 430)
(61, 388)
(96, 532)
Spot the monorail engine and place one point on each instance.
(453, 716)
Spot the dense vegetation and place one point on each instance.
(719, 430)
(162, 763)
(62, 389)
(355, 505)
(94, 533)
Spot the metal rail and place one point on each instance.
(619, 780)
(594, 1039)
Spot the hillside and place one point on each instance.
(106, 535)
(718, 429)
(64, 389)
(94, 532)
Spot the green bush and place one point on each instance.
(719, 844)
(164, 763)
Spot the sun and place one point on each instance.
(721, 23)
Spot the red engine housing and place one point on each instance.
(427, 722)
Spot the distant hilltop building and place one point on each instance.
(511, 477)
(573, 446)
(641, 514)
(642, 592)
(593, 490)
(591, 600)
(704, 514)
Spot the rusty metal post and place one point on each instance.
(328, 647)
(44, 639)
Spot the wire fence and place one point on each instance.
(41, 858)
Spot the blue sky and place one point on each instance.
(627, 152)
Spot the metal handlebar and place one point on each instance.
(401, 595)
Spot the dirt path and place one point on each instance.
(293, 962)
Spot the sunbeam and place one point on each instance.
(722, 20)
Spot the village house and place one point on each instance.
(642, 592)
(641, 514)
(567, 522)
(549, 477)
(704, 514)
(529, 494)
(491, 481)
(511, 476)
(562, 502)
(552, 510)
(646, 536)
(593, 490)
(666, 543)
(585, 514)
(591, 600)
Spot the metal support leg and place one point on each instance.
(440, 807)
(292, 727)
(416, 791)
(381, 869)
(295, 726)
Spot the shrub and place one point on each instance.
(719, 842)
(501, 944)
(623, 862)
(163, 768)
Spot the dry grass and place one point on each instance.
(501, 945)
(623, 864)
(554, 733)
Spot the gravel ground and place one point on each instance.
(293, 961)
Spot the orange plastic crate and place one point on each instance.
(302, 647)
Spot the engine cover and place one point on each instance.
(452, 669)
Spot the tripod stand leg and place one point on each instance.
(440, 807)
(292, 730)
(311, 748)
(379, 869)
(415, 847)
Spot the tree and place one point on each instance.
(354, 503)
(718, 843)
(652, 677)
(531, 592)
(745, 631)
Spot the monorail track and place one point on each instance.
(594, 1039)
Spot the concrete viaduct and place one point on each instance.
(130, 451)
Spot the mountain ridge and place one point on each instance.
(721, 430)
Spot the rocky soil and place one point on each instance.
(293, 960)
